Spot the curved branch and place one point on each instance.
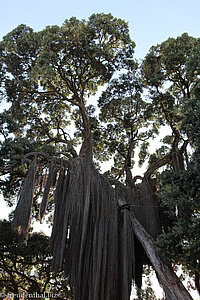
(172, 156)
(161, 162)
(115, 182)
(35, 154)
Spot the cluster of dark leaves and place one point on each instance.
(26, 267)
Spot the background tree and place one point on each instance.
(25, 268)
(180, 191)
(174, 67)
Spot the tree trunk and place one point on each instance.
(197, 281)
(172, 286)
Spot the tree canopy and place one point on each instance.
(105, 226)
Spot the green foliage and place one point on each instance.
(180, 193)
(59, 62)
(124, 117)
(147, 292)
(158, 154)
(46, 78)
(46, 74)
(143, 152)
(191, 122)
(175, 61)
(26, 267)
(7, 124)
(12, 168)
(171, 71)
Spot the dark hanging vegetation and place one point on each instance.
(106, 227)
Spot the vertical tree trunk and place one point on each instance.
(197, 281)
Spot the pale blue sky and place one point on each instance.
(151, 22)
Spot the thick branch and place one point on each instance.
(64, 141)
(169, 280)
(177, 155)
(161, 162)
(172, 286)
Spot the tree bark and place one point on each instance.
(173, 287)
(161, 162)
(197, 281)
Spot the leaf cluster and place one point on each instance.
(180, 196)
(27, 267)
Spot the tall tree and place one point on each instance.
(104, 227)
(180, 191)
(171, 71)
